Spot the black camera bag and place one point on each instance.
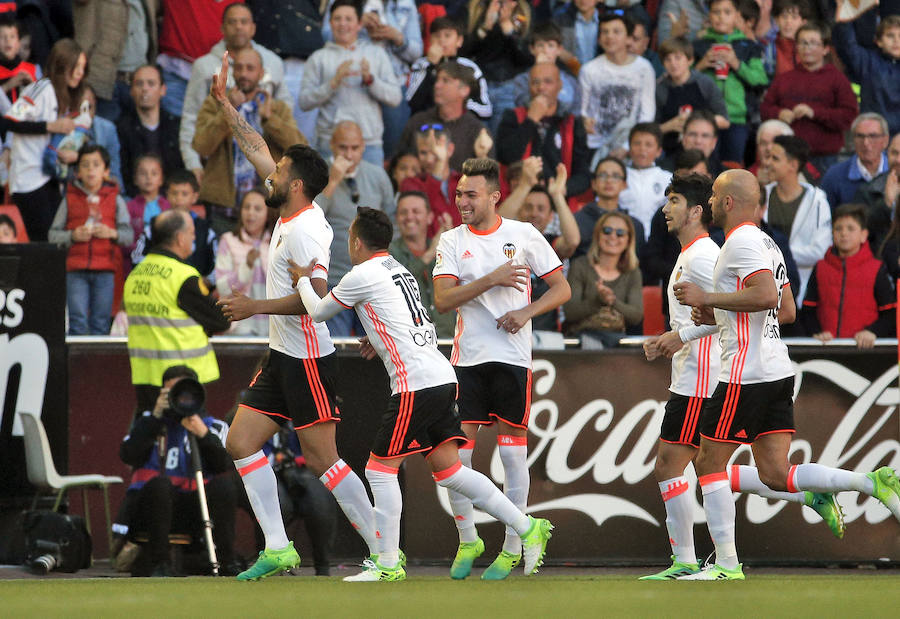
(68, 531)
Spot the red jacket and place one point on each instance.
(440, 203)
(95, 254)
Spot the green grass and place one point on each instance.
(845, 595)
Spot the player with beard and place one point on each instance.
(296, 381)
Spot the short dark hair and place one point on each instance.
(696, 189)
(543, 191)
(458, 72)
(782, 6)
(179, 371)
(354, 4)
(749, 11)
(373, 227)
(166, 226)
(231, 6)
(886, 23)
(689, 158)
(622, 17)
(649, 128)
(183, 177)
(89, 148)
(8, 221)
(853, 210)
(546, 31)
(488, 168)
(144, 157)
(676, 45)
(446, 23)
(813, 26)
(796, 149)
(616, 161)
(704, 115)
(414, 194)
(308, 166)
(734, 3)
(8, 20)
(429, 127)
(155, 67)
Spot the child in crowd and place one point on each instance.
(788, 16)
(646, 182)
(639, 45)
(148, 178)
(850, 293)
(8, 232)
(15, 74)
(545, 46)
(447, 36)
(92, 218)
(682, 90)
(735, 62)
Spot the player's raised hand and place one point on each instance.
(296, 271)
(217, 87)
(237, 306)
(689, 293)
(366, 350)
(510, 275)
(512, 321)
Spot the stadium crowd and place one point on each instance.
(589, 106)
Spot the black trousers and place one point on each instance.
(38, 208)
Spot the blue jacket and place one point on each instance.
(842, 180)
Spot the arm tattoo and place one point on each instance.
(247, 138)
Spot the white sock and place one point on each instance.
(388, 507)
(262, 490)
(350, 493)
(746, 479)
(679, 518)
(821, 478)
(718, 503)
(514, 455)
(460, 505)
(484, 494)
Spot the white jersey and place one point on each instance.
(695, 368)
(387, 300)
(37, 102)
(752, 350)
(465, 254)
(301, 237)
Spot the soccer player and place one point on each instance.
(421, 415)
(753, 402)
(482, 269)
(297, 379)
(695, 358)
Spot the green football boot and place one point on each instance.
(677, 570)
(271, 562)
(502, 566)
(716, 572)
(826, 505)
(465, 557)
(534, 544)
(887, 489)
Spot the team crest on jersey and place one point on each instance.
(278, 244)
(509, 250)
(678, 274)
(438, 259)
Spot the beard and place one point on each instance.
(276, 198)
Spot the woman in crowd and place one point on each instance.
(606, 285)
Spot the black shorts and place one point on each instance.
(301, 390)
(418, 421)
(494, 389)
(738, 413)
(681, 422)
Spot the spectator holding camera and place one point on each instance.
(162, 497)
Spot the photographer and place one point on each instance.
(162, 497)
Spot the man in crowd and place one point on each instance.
(870, 139)
(880, 197)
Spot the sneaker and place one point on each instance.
(887, 489)
(465, 557)
(374, 559)
(534, 544)
(372, 572)
(826, 505)
(677, 570)
(502, 566)
(272, 562)
(714, 571)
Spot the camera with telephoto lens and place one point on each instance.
(186, 398)
(49, 559)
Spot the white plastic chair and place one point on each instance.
(42, 473)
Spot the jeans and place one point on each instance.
(306, 121)
(89, 297)
(173, 100)
(345, 324)
(503, 97)
(733, 142)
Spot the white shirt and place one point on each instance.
(646, 192)
(387, 300)
(302, 237)
(465, 254)
(695, 368)
(752, 349)
(36, 103)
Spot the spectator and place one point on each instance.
(797, 209)
(617, 90)
(880, 199)
(148, 129)
(348, 80)
(736, 62)
(188, 30)
(692, 160)
(544, 129)
(789, 16)
(700, 133)
(784, 244)
(147, 204)
(850, 293)
(639, 45)
(876, 71)
(15, 73)
(452, 87)
(8, 232)
(242, 258)
(127, 33)
(870, 139)
(352, 182)
(447, 37)
(228, 174)
(579, 23)
(607, 293)
(646, 182)
(103, 132)
(890, 247)
(437, 179)
(497, 31)
(682, 90)
(608, 183)
(238, 29)
(415, 250)
(681, 18)
(766, 133)
(814, 98)
(91, 220)
(44, 107)
(541, 207)
(402, 167)
(546, 47)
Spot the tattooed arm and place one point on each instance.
(250, 142)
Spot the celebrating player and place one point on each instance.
(421, 415)
(482, 269)
(297, 379)
(753, 402)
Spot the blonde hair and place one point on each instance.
(628, 261)
(478, 10)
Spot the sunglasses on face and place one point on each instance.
(435, 126)
(619, 232)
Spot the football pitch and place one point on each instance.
(843, 593)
